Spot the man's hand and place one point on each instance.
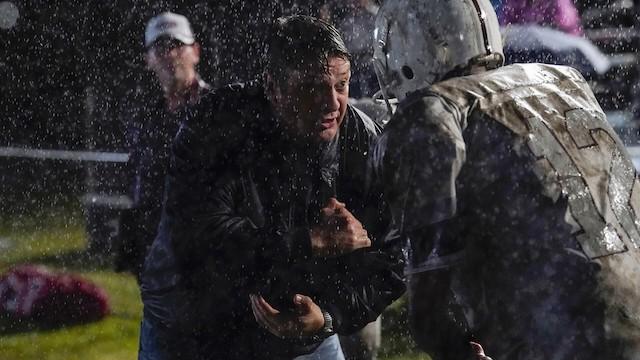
(338, 232)
(305, 320)
(478, 351)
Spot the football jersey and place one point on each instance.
(536, 199)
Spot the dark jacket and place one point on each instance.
(241, 199)
(149, 136)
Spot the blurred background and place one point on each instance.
(72, 77)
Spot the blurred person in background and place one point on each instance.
(356, 20)
(172, 54)
(557, 14)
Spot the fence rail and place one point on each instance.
(71, 155)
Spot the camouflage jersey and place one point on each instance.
(536, 198)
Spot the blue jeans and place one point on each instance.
(158, 343)
(152, 349)
(330, 349)
(149, 348)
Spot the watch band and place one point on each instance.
(328, 323)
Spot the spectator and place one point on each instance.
(558, 14)
(172, 55)
(356, 20)
(251, 209)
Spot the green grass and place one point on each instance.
(396, 338)
(56, 238)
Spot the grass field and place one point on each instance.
(56, 238)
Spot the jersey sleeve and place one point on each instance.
(419, 158)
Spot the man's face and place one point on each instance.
(172, 61)
(313, 104)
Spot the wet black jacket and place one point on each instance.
(240, 201)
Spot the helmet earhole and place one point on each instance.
(407, 72)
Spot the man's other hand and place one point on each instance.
(478, 351)
(305, 320)
(339, 232)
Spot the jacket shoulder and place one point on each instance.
(366, 121)
(218, 105)
(220, 125)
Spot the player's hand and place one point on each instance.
(478, 351)
(339, 232)
(305, 320)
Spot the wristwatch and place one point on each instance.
(328, 323)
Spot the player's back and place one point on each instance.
(546, 204)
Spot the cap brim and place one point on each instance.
(187, 40)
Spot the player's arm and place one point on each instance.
(437, 322)
(421, 162)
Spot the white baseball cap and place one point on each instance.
(168, 25)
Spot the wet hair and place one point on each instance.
(304, 43)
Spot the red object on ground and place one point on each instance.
(34, 293)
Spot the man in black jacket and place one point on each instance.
(267, 198)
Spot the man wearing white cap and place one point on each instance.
(172, 55)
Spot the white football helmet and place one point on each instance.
(420, 42)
